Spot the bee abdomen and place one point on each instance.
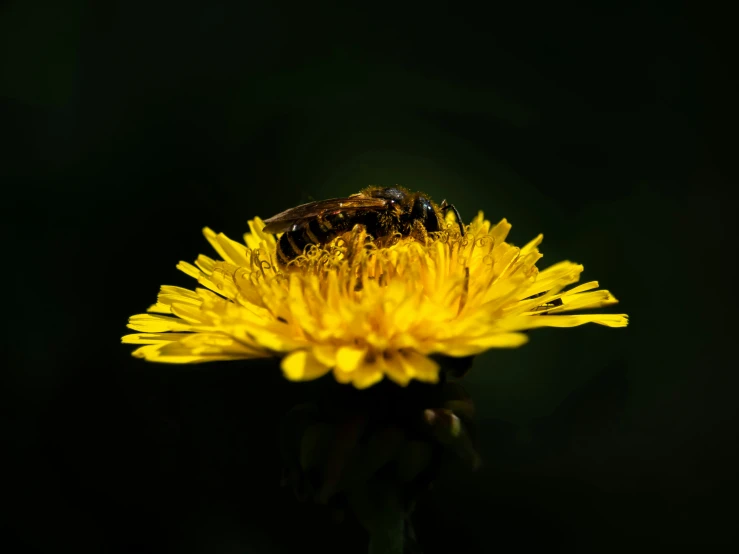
(294, 242)
(285, 250)
(317, 231)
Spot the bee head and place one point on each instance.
(423, 210)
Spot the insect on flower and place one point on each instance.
(385, 212)
(379, 284)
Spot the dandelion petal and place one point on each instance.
(473, 346)
(348, 359)
(302, 366)
(420, 367)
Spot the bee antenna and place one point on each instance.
(445, 207)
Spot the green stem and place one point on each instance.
(379, 508)
(389, 538)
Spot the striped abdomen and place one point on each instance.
(317, 231)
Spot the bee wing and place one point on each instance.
(298, 215)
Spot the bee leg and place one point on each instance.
(418, 232)
(445, 207)
(358, 237)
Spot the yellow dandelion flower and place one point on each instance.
(361, 310)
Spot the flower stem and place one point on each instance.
(388, 539)
(379, 508)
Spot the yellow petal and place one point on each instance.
(609, 320)
(396, 370)
(212, 238)
(269, 338)
(348, 358)
(258, 238)
(325, 354)
(229, 250)
(159, 308)
(531, 246)
(584, 301)
(419, 366)
(152, 338)
(189, 269)
(500, 231)
(299, 305)
(189, 313)
(185, 348)
(302, 366)
(557, 275)
(472, 346)
(148, 323)
(365, 379)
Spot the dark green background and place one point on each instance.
(129, 126)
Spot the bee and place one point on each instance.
(383, 211)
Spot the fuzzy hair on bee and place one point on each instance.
(384, 212)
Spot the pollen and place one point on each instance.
(365, 310)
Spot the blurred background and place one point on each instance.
(129, 126)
